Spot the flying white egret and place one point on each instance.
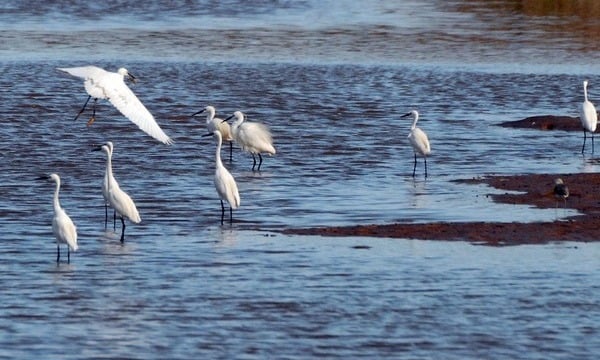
(213, 123)
(117, 198)
(588, 116)
(419, 141)
(224, 182)
(253, 137)
(62, 226)
(102, 84)
(561, 191)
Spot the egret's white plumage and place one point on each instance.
(252, 137)
(102, 84)
(418, 140)
(105, 187)
(214, 123)
(117, 198)
(62, 226)
(588, 116)
(224, 182)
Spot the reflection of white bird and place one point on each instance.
(62, 226)
(225, 183)
(588, 116)
(214, 123)
(252, 137)
(419, 141)
(102, 84)
(117, 198)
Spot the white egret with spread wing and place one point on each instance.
(102, 84)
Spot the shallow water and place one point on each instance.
(332, 91)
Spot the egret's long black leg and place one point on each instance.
(425, 158)
(583, 147)
(105, 215)
(68, 254)
(114, 219)
(222, 212)
(231, 151)
(254, 164)
(260, 163)
(57, 252)
(230, 215)
(122, 230)
(415, 166)
(93, 118)
(83, 108)
(592, 143)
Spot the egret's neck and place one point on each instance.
(56, 202)
(109, 167)
(585, 92)
(218, 153)
(414, 124)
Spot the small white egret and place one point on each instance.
(419, 141)
(252, 137)
(102, 84)
(224, 182)
(117, 198)
(588, 116)
(62, 226)
(105, 190)
(561, 191)
(214, 123)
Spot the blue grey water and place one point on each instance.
(331, 79)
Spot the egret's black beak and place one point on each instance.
(131, 78)
(229, 118)
(207, 135)
(199, 112)
(407, 114)
(43, 177)
(97, 148)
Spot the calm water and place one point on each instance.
(332, 89)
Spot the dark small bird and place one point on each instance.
(561, 191)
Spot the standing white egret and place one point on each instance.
(561, 191)
(224, 182)
(253, 137)
(62, 226)
(419, 141)
(117, 198)
(588, 116)
(214, 123)
(102, 84)
(105, 189)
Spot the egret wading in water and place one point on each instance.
(102, 84)
(252, 137)
(561, 191)
(62, 226)
(117, 198)
(224, 182)
(419, 141)
(214, 123)
(105, 190)
(588, 116)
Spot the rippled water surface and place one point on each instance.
(331, 80)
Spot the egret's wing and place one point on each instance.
(129, 105)
(589, 116)
(85, 72)
(65, 230)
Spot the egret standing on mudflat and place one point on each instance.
(224, 182)
(419, 141)
(117, 198)
(588, 116)
(214, 123)
(102, 84)
(62, 226)
(252, 137)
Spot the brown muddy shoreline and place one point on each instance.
(533, 189)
